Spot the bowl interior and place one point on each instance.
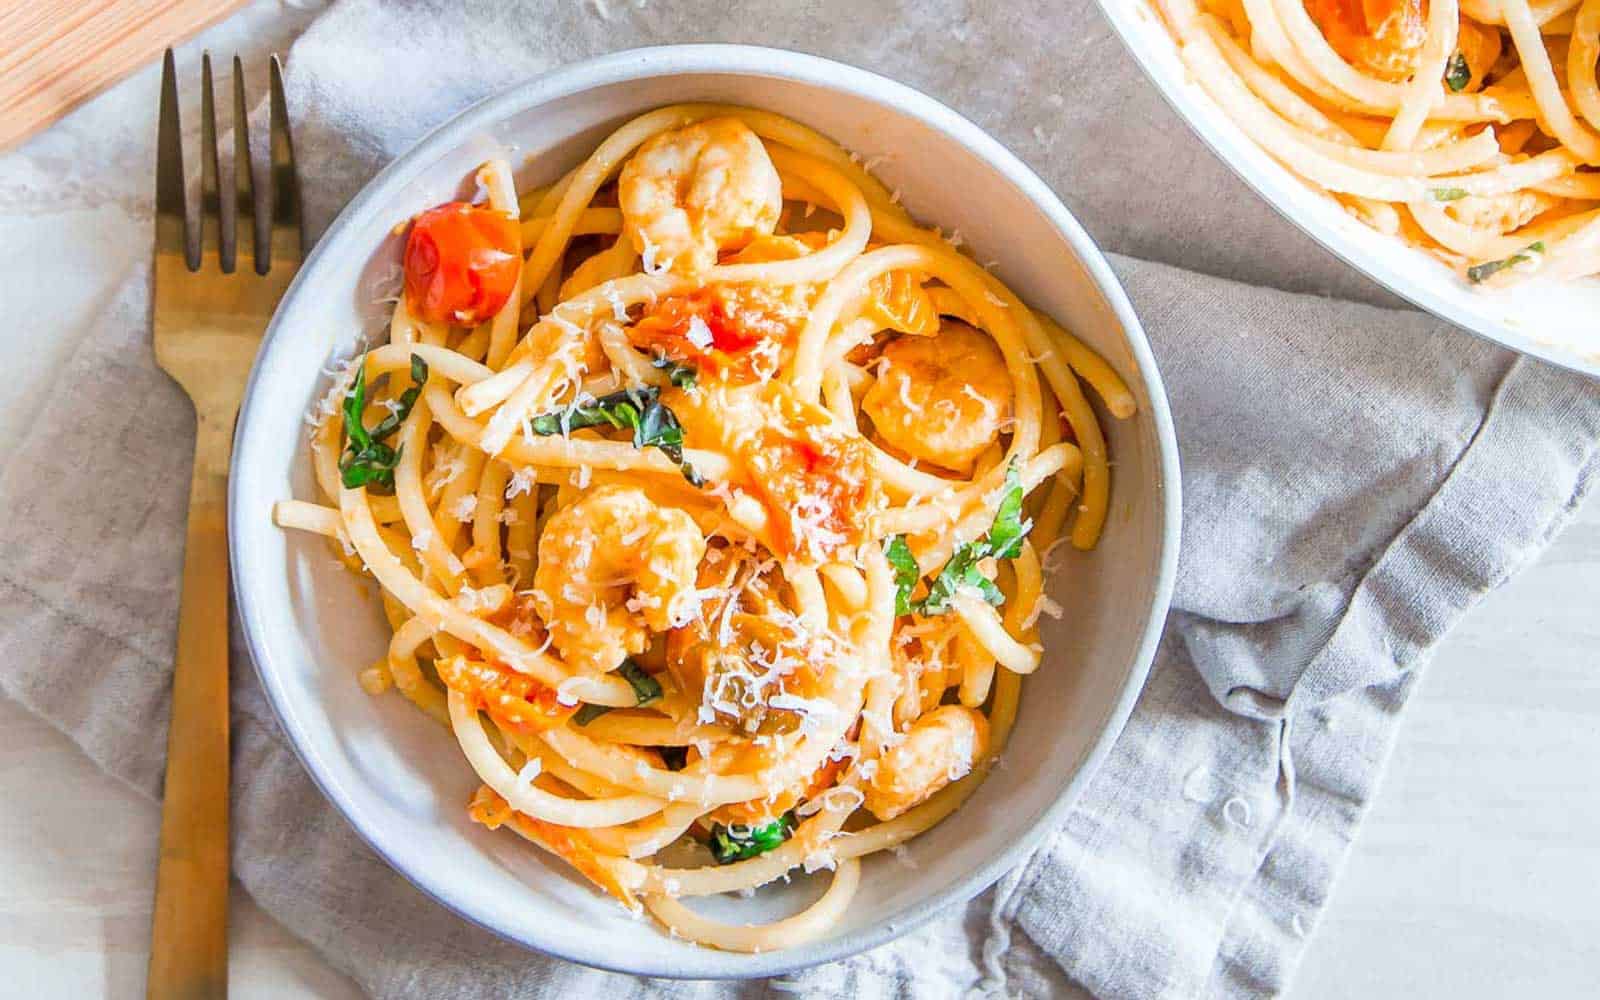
(1547, 319)
(400, 778)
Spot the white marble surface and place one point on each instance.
(1474, 877)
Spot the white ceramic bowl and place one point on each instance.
(400, 779)
(1548, 319)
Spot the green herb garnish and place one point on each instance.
(961, 572)
(1480, 272)
(367, 460)
(645, 688)
(681, 375)
(1447, 194)
(1457, 74)
(739, 842)
(639, 409)
(906, 573)
(588, 713)
(1009, 529)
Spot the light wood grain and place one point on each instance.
(1476, 871)
(55, 54)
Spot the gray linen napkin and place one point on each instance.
(1354, 478)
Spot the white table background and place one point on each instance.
(1475, 875)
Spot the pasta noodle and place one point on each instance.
(1468, 128)
(699, 519)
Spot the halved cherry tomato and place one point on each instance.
(734, 324)
(461, 263)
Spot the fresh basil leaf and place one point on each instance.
(1447, 194)
(1009, 529)
(367, 460)
(1480, 272)
(960, 572)
(739, 842)
(1457, 74)
(1003, 541)
(355, 404)
(645, 688)
(588, 713)
(906, 573)
(681, 375)
(640, 410)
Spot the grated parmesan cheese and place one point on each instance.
(522, 481)
(564, 693)
(465, 507)
(698, 333)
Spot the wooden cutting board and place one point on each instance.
(55, 54)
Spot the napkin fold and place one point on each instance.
(1355, 477)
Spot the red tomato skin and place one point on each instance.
(727, 333)
(461, 263)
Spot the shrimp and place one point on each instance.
(745, 649)
(1385, 37)
(942, 399)
(941, 747)
(613, 567)
(692, 192)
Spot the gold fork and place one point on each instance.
(218, 279)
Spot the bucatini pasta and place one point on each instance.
(1466, 127)
(707, 495)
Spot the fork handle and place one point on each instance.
(189, 934)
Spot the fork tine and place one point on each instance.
(245, 239)
(172, 232)
(287, 233)
(213, 216)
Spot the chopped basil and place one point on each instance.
(1480, 272)
(640, 410)
(680, 375)
(1457, 74)
(1008, 530)
(739, 842)
(906, 573)
(961, 572)
(1447, 194)
(588, 713)
(367, 460)
(645, 688)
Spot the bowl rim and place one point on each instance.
(1207, 126)
(750, 61)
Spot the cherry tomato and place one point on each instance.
(734, 327)
(728, 330)
(461, 263)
